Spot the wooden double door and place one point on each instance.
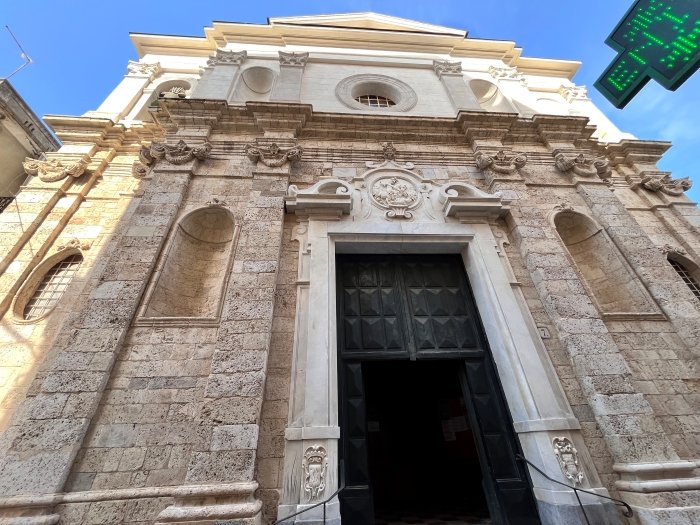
(410, 322)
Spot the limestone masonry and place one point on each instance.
(170, 299)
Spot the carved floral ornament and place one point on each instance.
(315, 469)
(583, 165)
(665, 184)
(293, 59)
(54, 170)
(272, 155)
(143, 68)
(500, 162)
(178, 154)
(226, 57)
(567, 456)
(443, 67)
(506, 73)
(396, 194)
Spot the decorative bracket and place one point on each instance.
(273, 156)
(54, 170)
(462, 200)
(327, 195)
(663, 182)
(178, 154)
(500, 162)
(583, 165)
(567, 456)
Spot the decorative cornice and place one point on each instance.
(464, 201)
(500, 162)
(663, 182)
(178, 154)
(571, 93)
(583, 165)
(273, 156)
(446, 67)
(54, 170)
(226, 57)
(327, 196)
(507, 73)
(293, 59)
(143, 69)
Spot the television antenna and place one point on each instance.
(27, 59)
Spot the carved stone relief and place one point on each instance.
(571, 93)
(272, 155)
(507, 73)
(442, 67)
(178, 154)
(74, 244)
(54, 170)
(583, 165)
(315, 467)
(567, 456)
(293, 59)
(226, 57)
(500, 162)
(142, 68)
(668, 249)
(665, 184)
(397, 195)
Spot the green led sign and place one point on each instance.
(657, 39)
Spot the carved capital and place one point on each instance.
(178, 154)
(571, 93)
(500, 162)
(293, 59)
(226, 57)
(273, 156)
(567, 456)
(443, 67)
(142, 69)
(665, 184)
(54, 170)
(583, 165)
(507, 73)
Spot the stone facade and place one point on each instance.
(188, 372)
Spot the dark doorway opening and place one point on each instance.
(423, 461)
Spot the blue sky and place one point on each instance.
(80, 52)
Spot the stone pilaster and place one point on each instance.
(219, 76)
(120, 101)
(288, 85)
(450, 74)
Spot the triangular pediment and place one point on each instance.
(367, 20)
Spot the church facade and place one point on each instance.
(351, 268)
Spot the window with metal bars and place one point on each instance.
(52, 286)
(5, 202)
(375, 101)
(687, 277)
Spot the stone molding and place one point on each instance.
(327, 195)
(571, 93)
(507, 73)
(500, 162)
(53, 170)
(462, 200)
(582, 165)
(664, 183)
(143, 69)
(293, 59)
(272, 155)
(227, 58)
(447, 67)
(178, 154)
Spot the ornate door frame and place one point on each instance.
(538, 407)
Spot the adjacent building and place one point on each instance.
(349, 253)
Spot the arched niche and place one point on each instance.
(193, 274)
(254, 83)
(176, 88)
(687, 270)
(489, 97)
(615, 287)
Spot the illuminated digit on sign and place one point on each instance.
(657, 39)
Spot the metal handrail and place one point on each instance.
(628, 513)
(340, 488)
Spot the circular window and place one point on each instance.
(375, 101)
(375, 91)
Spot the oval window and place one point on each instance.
(52, 286)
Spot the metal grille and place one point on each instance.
(5, 202)
(687, 278)
(52, 286)
(375, 101)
